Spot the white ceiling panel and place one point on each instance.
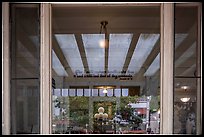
(153, 67)
(67, 43)
(94, 52)
(57, 66)
(118, 48)
(143, 48)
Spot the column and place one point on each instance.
(6, 72)
(45, 70)
(166, 77)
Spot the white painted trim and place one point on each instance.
(201, 45)
(105, 4)
(45, 70)
(199, 73)
(166, 77)
(5, 70)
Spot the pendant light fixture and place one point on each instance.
(103, 30)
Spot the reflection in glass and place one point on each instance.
(87, 92)
(124, 92)
(65, 92)
(94, 92)
(110, 92)
(79, 92)
(143, 48)
(101, 92)
(132, 40)
(117, 92)
(68, 45)
(57, 92)
(72, 92)
(57, 66)
(25, 69)
(179, 39)
(154, 67)
(94, 53)
(186, 75)
(118, 48)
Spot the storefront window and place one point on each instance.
(186, 70)
(105, 68)
(110, 86)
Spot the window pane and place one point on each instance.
(65, 92)
(117, 92)
(57, 66)
(154, 67)
(143, 48)
(118, 48)
(72, 92)
(101, 92)
(94, 92)
(110, 92)
(87, 92)
(125, 92)
(186, 75)
(67, 43)
(57, 92)
(25, 69)
(79, 92)
(94, 53)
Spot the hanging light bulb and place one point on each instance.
(104, 42)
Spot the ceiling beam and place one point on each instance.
(61, 56)
(30, 47)
(26, 69)
(28, 44)
(185, 65)
(153, 54)
(111, 30)
(189, 70)
(131, 50)
(100, 81)
(183, 47)
(187, 42)
(54, 74)
(82, 52)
